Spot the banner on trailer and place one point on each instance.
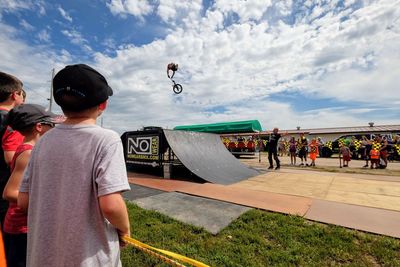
(143, 148)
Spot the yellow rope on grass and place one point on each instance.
(155, 254)
(143, 246)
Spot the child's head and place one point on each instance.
(78, 88)
(10, 86)
(30, 118)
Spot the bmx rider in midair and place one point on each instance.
(171, 67)
(176, 87)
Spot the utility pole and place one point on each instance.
(51, 90)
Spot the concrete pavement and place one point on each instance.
(359, 201)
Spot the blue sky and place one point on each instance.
(306, 63)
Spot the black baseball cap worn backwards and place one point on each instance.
(26, 115)
(79, 87)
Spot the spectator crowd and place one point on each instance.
(377, 151)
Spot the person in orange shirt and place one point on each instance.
(313, 151)
(374, 156)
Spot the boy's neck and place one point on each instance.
(88, 117)
(80, 120)
(7, 105)
(31, 138)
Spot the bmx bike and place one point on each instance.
(176, 87)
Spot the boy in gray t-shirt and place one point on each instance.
(74, 180)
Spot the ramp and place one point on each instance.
(206, 156)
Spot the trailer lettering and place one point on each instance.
(143, 147)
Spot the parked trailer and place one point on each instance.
(203, 154)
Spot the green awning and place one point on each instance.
(224, 127)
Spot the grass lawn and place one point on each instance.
(259, 238)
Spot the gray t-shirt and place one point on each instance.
(70, 167)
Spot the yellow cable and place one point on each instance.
(166, 252)
(155, 254)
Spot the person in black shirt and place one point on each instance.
(273, 149)
(383, 152)
(303, 147)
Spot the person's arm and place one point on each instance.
(23, 201)
(114, 210)
(385, 143)
(8, 155)
(11, 189)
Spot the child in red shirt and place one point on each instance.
(32, 121)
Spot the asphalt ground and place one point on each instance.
(211, 215)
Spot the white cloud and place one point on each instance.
(64, 14)
(14, 5)
(26, 25)
(180, 12)
(76, 38)
(36, 75)
(41, 8)
(44, 35)
(132, 7)
(246, 10)
(110, 43)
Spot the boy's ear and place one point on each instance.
(14, 95)
(38, 127)
(103, 106)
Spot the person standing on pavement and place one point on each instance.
(366, 146)
(273, 149)
(383, 152)
(303, 147)
(292, 150)
(313, 151)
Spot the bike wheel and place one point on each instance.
(177, 88)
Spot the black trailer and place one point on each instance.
(203, 154)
